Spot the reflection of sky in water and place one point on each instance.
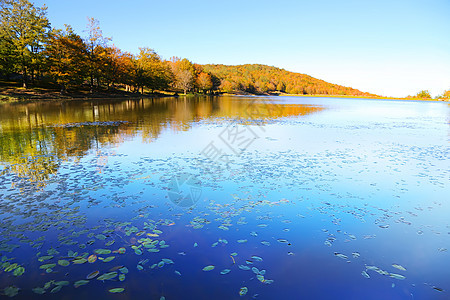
(353, 176)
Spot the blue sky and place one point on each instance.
(387, 47)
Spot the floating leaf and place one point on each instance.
(340, 255)
(116, 290)
(108, 259)
(107, 276)
(100, 237)
(167, 261)
(256, 258)
(56, 289)
(46, 257)
(225, 271)
(11, 267)
(47, 266)
(121, 277)
(92, 258)
(399, 267)
(80, 261)
(63, 262)
(102, 251)
(19, 271)
(397, 276)
(92, 275)
(208, 268)
(243, 291)
(124, 270)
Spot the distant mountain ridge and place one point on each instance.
(262, 79)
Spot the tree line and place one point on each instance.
(29, 46)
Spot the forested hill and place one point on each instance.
(255, 78)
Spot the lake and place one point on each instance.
(230, 197)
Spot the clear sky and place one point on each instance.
(387, 47)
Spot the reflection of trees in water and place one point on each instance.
(34, 138)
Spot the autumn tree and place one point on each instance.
(204, 82)
(445, 95)
(424, 94)
(183, 71)
(25, 28)
(66, 53)
(116, 66)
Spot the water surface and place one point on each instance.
(298, 197)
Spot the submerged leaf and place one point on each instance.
(80, 283)
(225, 271)
(11, 291)
(38, 290)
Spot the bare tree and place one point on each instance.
(185, 80)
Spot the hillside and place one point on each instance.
(260, 79)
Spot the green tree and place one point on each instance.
(25, 27)
(8, 57)
(151, 71)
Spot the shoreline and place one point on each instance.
(51, 95)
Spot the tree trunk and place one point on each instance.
(24, 78)
(92, 83)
